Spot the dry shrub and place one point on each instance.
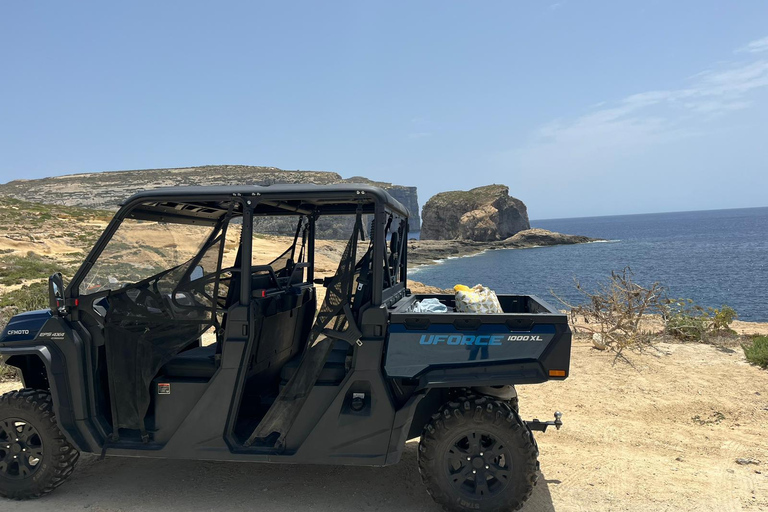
(613, 313)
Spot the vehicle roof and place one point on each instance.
(273, 199)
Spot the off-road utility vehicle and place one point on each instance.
(175, 339)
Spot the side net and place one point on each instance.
(149, 322)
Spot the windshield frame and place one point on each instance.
(129, 212)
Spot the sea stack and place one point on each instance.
(483, 214)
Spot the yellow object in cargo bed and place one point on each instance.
(476, 300)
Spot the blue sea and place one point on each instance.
(713, 257)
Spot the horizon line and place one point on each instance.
(652, 213)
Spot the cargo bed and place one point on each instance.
(530, 342)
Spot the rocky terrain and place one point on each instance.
(426, 252)
(106, 190)
(483, 214)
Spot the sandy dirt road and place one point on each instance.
(140, 485)
(661, 435)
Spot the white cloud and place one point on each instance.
(734, 81)
(757, 46)
(615, 131)
(715, 106)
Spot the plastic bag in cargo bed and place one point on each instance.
(476, 300)
(430, 306)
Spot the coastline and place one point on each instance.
(422, 253)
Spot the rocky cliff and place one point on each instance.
(107, 190)
(406, 195)
(482, 214)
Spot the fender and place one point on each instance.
(71, 424)
(43, 353)
(57, 387)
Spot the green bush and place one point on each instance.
(723, 318)
(688, 321)
(687, 327)
(15, 269)
(756, 352)
(27, 298)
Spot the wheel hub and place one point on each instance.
(478, 464)
(21, 448)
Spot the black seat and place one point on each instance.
(199, 363)
(335, 368)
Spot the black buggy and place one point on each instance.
(175, 339)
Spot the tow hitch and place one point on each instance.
(541, 426)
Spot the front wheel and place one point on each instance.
(35, 457)
(477, 454)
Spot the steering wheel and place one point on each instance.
(149, 300)
(194, 288)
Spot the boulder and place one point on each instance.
(483, 214)
(542, 237)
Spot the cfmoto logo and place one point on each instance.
(15, 332)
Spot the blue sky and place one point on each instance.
(582, 108)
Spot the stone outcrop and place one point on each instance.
(483, 214)
(427, 252)
(542, 237)
(106, 190)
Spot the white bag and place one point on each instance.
(476, 300)
(430, 306)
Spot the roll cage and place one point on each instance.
(209, 206)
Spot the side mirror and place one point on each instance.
(56, 293)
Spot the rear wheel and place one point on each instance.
(514, 404)
(35, 457)
(477, 454)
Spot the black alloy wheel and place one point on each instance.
(21, 448)
(478, 464)
(476, 454)
(35, 457)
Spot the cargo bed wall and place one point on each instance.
(530, 342)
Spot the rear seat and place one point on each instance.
(196, 363)
(200, 363)
(334, 371)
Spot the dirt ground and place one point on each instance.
(660, 434)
